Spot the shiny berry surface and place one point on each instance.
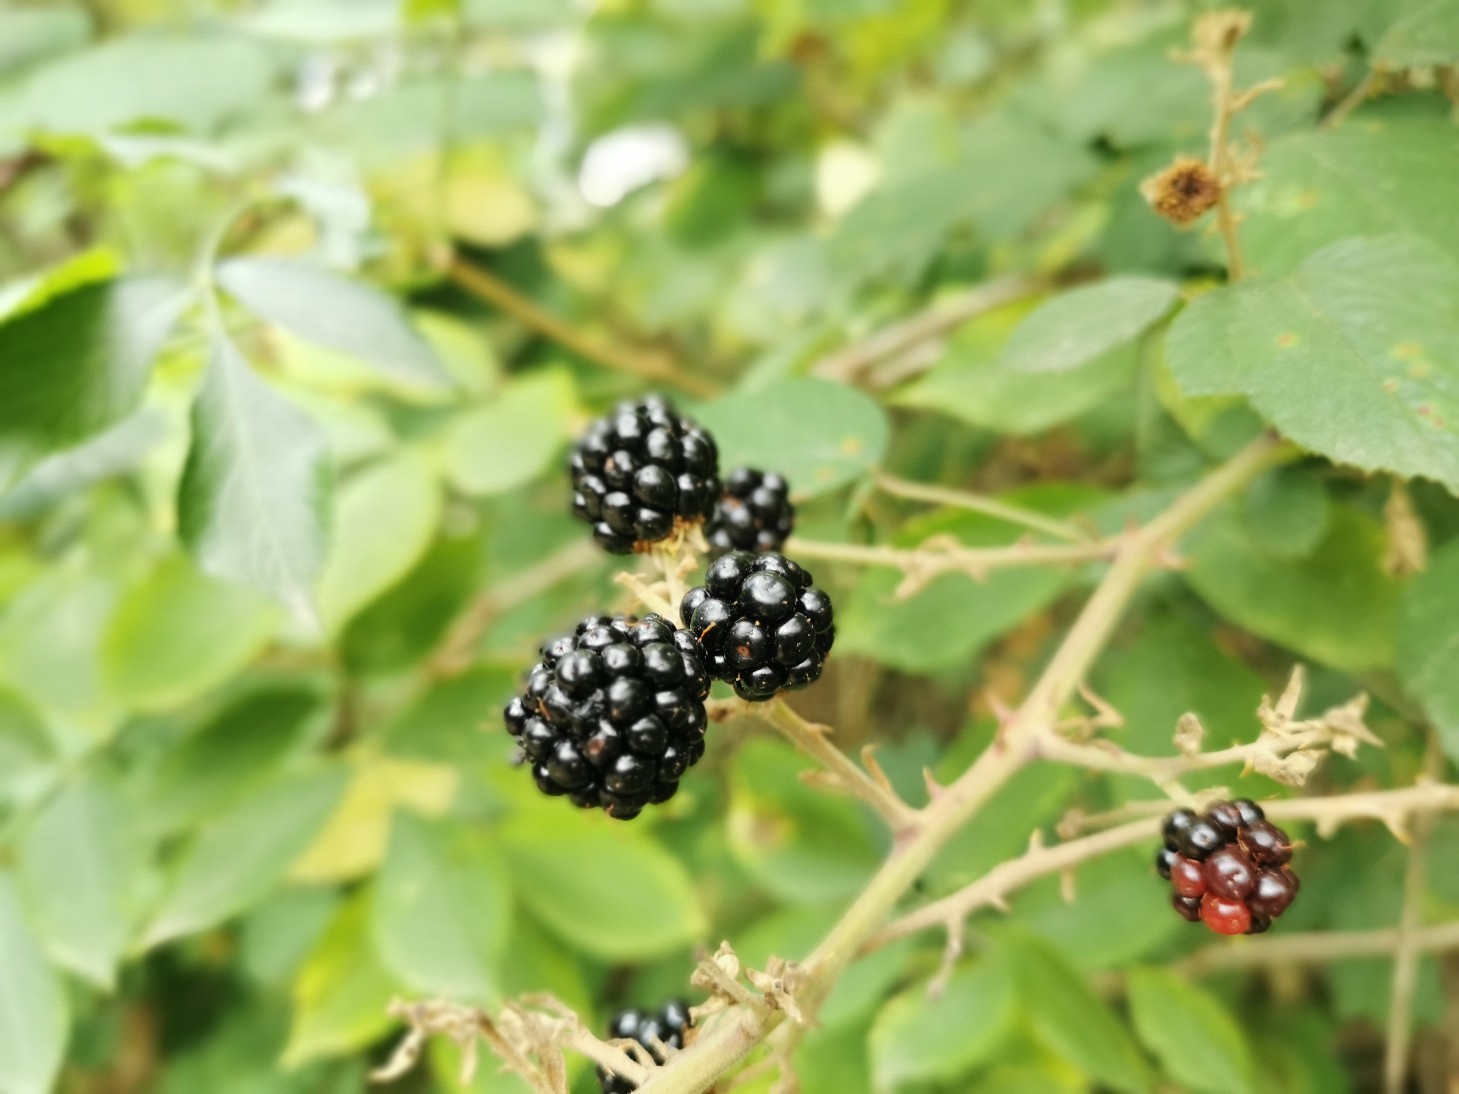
(1267, 844)
(1189, 907)
(763, 624)
(753, 514)
(1164, 861)
(613, 714)
(667, 1026)
(1224, 916)
(1274, 891)
(1175, 827)
(639, 470)
(1200, 839)
(1187, 877)
(1229, 873)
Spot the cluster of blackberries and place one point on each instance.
(754, 514)
(667, 1026)
(762, 623)
(1228, 868)
(641, 469)
(645, 469)
(614, 713)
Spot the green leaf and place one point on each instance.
(178, 633)
(798, 843)
(917, 1038)
(971, 383)
(25, 742)
(195, 82)
(33, 1012)
(31, 34)
(1336, 605)
(513, 438)
(442, 910)
(1069, 1018)
(1368, 177)
(1081, 325)
(342, 992)
(242, 744)
(368, 555)
(1355, 356)
(1196, 1039)
(72, 867)
(1284, 512)
(241, 854)
(113, 452)
(349, 316)
(817, 434)
(577, 866)
(1428, 643)
(255, 491)
(78, 364)
(1426, 36)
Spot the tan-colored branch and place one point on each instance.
(990, 890)
(1352, 100)
(736, 1032)
(848, 365)
(647, 366)
(1318, 947)
(845, 774)
(982, 503)
(944, 555)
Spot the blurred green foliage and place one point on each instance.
(282, 515)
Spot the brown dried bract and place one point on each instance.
(1183, 191)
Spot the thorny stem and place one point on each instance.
(981, 503)
(1320, 947)
(849, 776)
(485, 286)
(994, 886)
(739, 1030)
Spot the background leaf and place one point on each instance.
(1197, 1040)
(33, 1012)
(253, 502)
(513, 437)
(1428, 642)
(1078, 326)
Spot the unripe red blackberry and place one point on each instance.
(613, 714)
(753, 514)
(1227, 868)
(762, 624)
(639, 471)
(668, 1026)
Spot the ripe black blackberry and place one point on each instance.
(1229, 868)
(667, 1025)
(639, 471)
(762, 624)
(613, 714)
(754, 513)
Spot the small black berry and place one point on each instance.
(1267, 844)
(1189, 907)
(1225, 816)
(762, 624)
(1200, 839)
(1251, 813)
(639, 470)
(1164, 860)
(613, 714)
(1175, 826)
(668, 1026)
(754, 513)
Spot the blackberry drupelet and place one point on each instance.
(754, 514)
(762, 623)
(668, 1024)
(613, 714)
(639, 471)
(1229, 868)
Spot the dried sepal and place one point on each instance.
(1189, 734)
(1183, 192)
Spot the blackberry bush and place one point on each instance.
(640, 471)
(1228, 868)
(668, 1025)
(753, 514)
(613, 714)
(762, 622)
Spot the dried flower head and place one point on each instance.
(1183, 191)
(1217, 32)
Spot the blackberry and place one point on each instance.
(1228, 868)
(613, 714)
(754, 514)
(640, 471)
(762, 623)
(668, 1025)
